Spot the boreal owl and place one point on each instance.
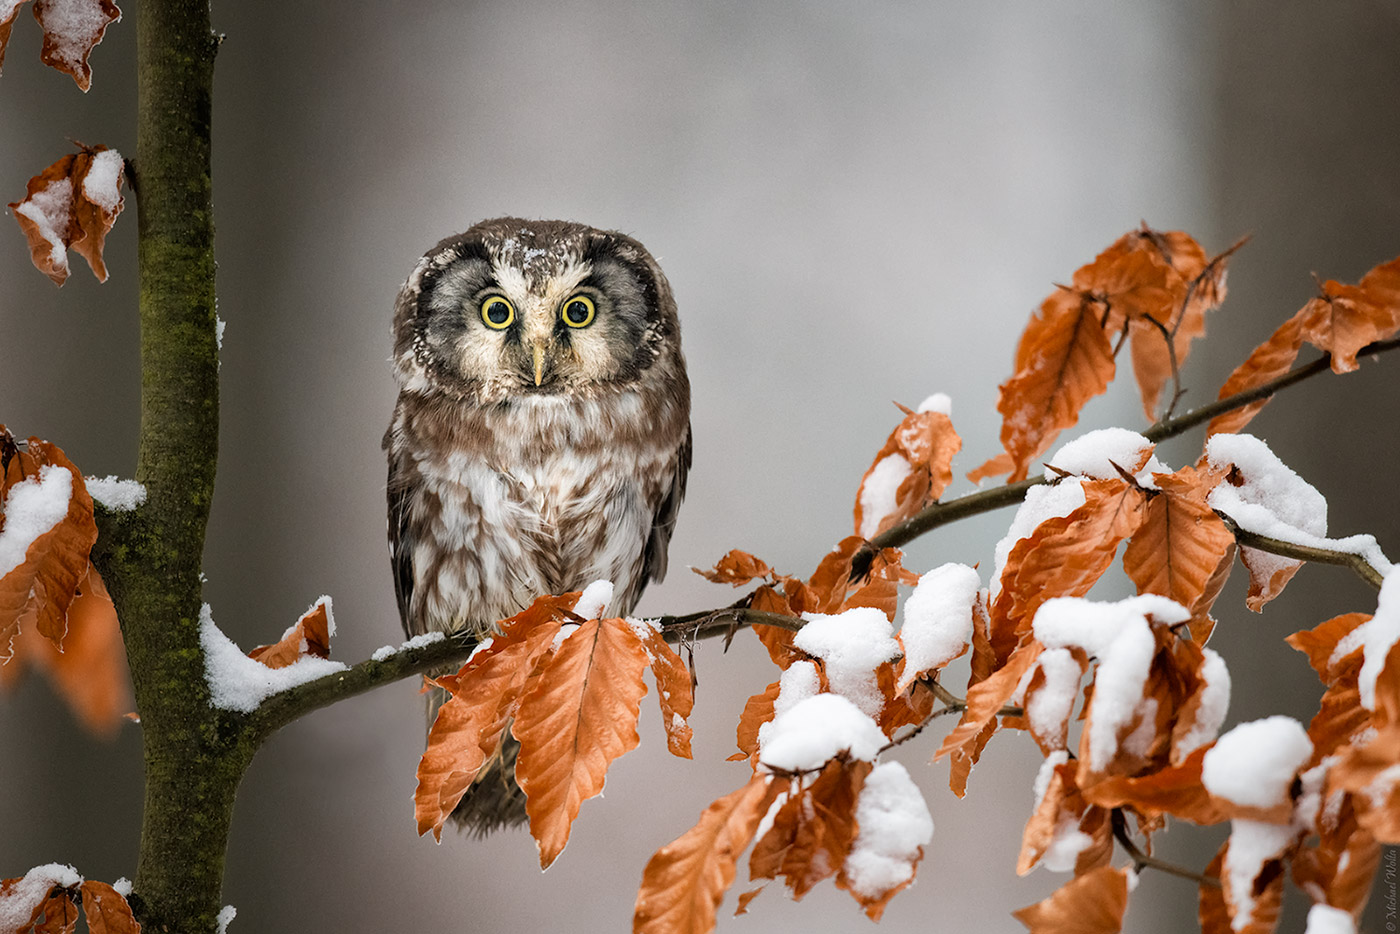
(540, 441)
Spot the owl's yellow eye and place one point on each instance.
(578, 311)
(497, 312)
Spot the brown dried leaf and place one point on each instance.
(757, 711)
(814, 829)
(984, 699)
(309, 635)
(923, 446)
(1093, 903)
(107, 911)
(1269, 361)
(684, 881)
(674, 690)
(6, 25)
(1346, 318)
(57, 915)
(737, 568)
(67, 206)
(1211, 912)
(1173, 789)
(71, 31)
(1182, 550)
(1320, 643)
(578, 715)
(1340, 869)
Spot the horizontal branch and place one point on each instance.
(1364, 569)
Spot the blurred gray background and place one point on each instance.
(855, 203)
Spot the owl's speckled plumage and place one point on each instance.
(538, 457)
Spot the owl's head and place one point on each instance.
(514, 307)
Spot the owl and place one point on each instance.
(540, 441)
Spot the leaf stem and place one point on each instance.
(1142, 860)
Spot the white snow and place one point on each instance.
(8, 8)
(799, 682)
(1308, 809)
(1215, 702)
(35, 505)
(1094, 453)
(74, 26)
(851, 646)
(1254, 764)
(1049, 707)
(1377, 636)
(939, 402)
(1119, 634)
(815, 730)
(879, 494)
(1252, 844)
(1041, 503)
(102, 183)
(219, 325)
(1066, 844)
(225, 918)
(122, 887)
(894, 824)
(1378, 790)
(417, 642)
(1046, 773)
(1324, 919)
(237, 682)
(594, 600)
(51, 210)
(18, 904)
(937, 619)
(1277, 503)
(115, 494)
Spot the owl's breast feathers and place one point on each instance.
(490, 506)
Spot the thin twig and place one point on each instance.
(1364, 569)
(1177, 391)
(1141, 860)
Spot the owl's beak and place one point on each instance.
(539, 363)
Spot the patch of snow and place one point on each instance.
(851, 646)
(1308, 809)
(1324, 919)
(417, 642)
(101, 184)
(594, 600)
(225, 918)
(115, 494)
(939, 402)
(1047, 772)
(879, 494)
(35, 505)
(1042, 502)
(1377, 635)
(1094, 453)
(798, 682)
(1252, 844)
(17, 905)
(937, 619)
(1049, 707)
(122, 887)
(51, 210)
(73, 27)
(1066, 844)
(1254, 764)
(1215, 702)
(219, 324)
(894, 824)
(815, 730)
(237, 682)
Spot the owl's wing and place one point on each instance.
(654, 557)
(400, 542)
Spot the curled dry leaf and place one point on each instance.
(1173, 789)
(674, 690)
(72, 205)
(1093, 903)
(1339, 870)
(684, 881)
(1345, 318)
(984, 700)
(577, 716)
(72, 29)
(737, 568)
(1269, 361)
(813, 830)
(1062, 809)
(47, 530)
(757, 711)
(106, 910)
(911, 471)
(309, 635)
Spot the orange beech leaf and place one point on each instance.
(1367, 772)
(994, 467)
(813, 829)
(1269, 361)
(1062, 805)
(775, 639)
(1173, 789)
(1320, 643)
(674, 690)
(57, 915)
(71, 31)
(757, 711)
(1345, 318)
(831, 580)
(72, 204)
(48, 530)
(468, 727)
(309, 635)
(577, 717)
(684, 881)
(984, 700)
(1182, 549)
(91, 672)
(1211, 912)
(1340, 869)
(107, 912)
(737, 568)
(911, 471)
(1134, 278)
(1093, 903)
(1263, 891)
(1068, 361)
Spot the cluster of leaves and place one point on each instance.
(55, 613)
(45, 901)
(72, 29)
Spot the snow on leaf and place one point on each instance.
(937, 621)
(107, 911)
(684, 881)
(309, 635)
(1067, 361)
(1254, 765)
(1345, 318)
(816, 729)
(9, 9)
(674, 689)
(1174, 789)
(72, 204)
(1065, 832)
(814, 829)
(1093, 903)
(851, 645)
(468, 727)
(1182, 550)
(72, 29)
(912, 470)
(894, 827)
(23, 901)
(57, 915)
(47, 533)
(1341, 867)
(577, 717)
(1252, 874)
(1269, 361)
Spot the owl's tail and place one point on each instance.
(494, 799)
